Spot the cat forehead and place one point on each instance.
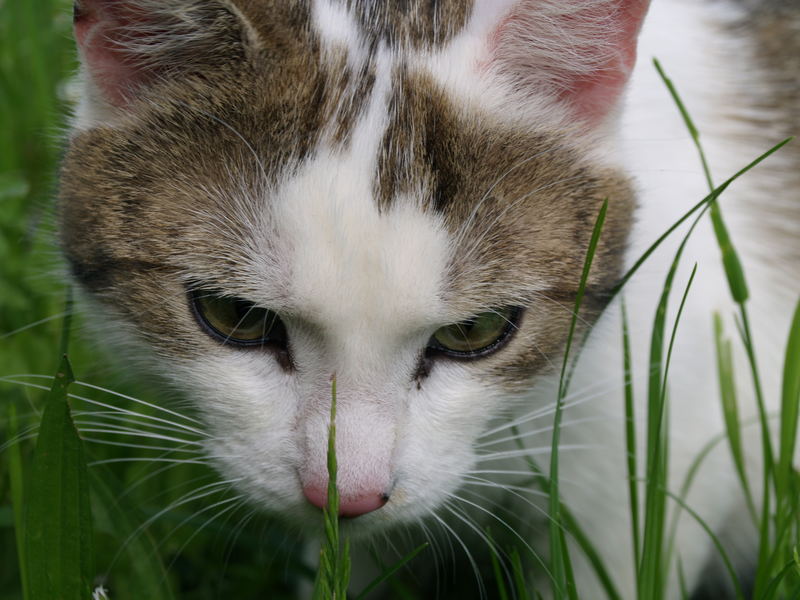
(336, 140)
(348, 264)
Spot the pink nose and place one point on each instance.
(349, 507)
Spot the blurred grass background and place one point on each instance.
(183, 554)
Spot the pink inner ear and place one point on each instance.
(595, 95)
(583, 54)
(101, 28)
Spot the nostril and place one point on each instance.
(349, 506)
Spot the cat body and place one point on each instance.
(366, 175)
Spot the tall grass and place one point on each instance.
(153, 521)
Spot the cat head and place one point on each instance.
(261, 196)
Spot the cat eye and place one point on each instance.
(481, 335)
(236, 321)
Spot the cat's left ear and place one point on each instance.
(578, 54)
(128, 45)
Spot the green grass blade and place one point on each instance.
(790, 399)
(113, 509)
(726, 561)
(520, 583)
(740, 293)
(559, 554)
(333, 575)
(730, 259)
(682, 582)
(687, 119)
(499, 578)
(630, 440)
(651, 569)
(774, 584)
(573, 528)
(675, 328)
(702, 205)
(730, 410)
(16, 479)
(388, 573)
(58, 521)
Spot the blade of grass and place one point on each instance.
(726, 561)
(630, 440)
(333, 575)
(520, 584)
(573, 527)
(774, 585)
(651, 569)
(141, 552)
(559, 554)
(730, 410)
(499, 578)
(702, 205)
(730, 259)
(790, 399)
(388, 573)
(16, 478)
(739, 292)
(682, 582)
(58, 521)
(786, 477)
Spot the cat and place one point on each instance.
(261, 196)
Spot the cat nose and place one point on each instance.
(349, 507)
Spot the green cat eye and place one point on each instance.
(236, 321)
(481, 335)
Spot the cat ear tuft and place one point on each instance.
(579, 53)
(126, 45)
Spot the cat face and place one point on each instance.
(311, 198)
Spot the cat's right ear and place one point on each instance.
(574, 55)
(127, 45)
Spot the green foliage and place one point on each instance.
(58, 519)
(561, 565)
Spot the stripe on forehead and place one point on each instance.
(357, 270)
(518, 198)
(408, 24)
(352, 31)
(417, 24)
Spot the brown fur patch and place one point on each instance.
(139, 203)
(522, 207)
(417, 24)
